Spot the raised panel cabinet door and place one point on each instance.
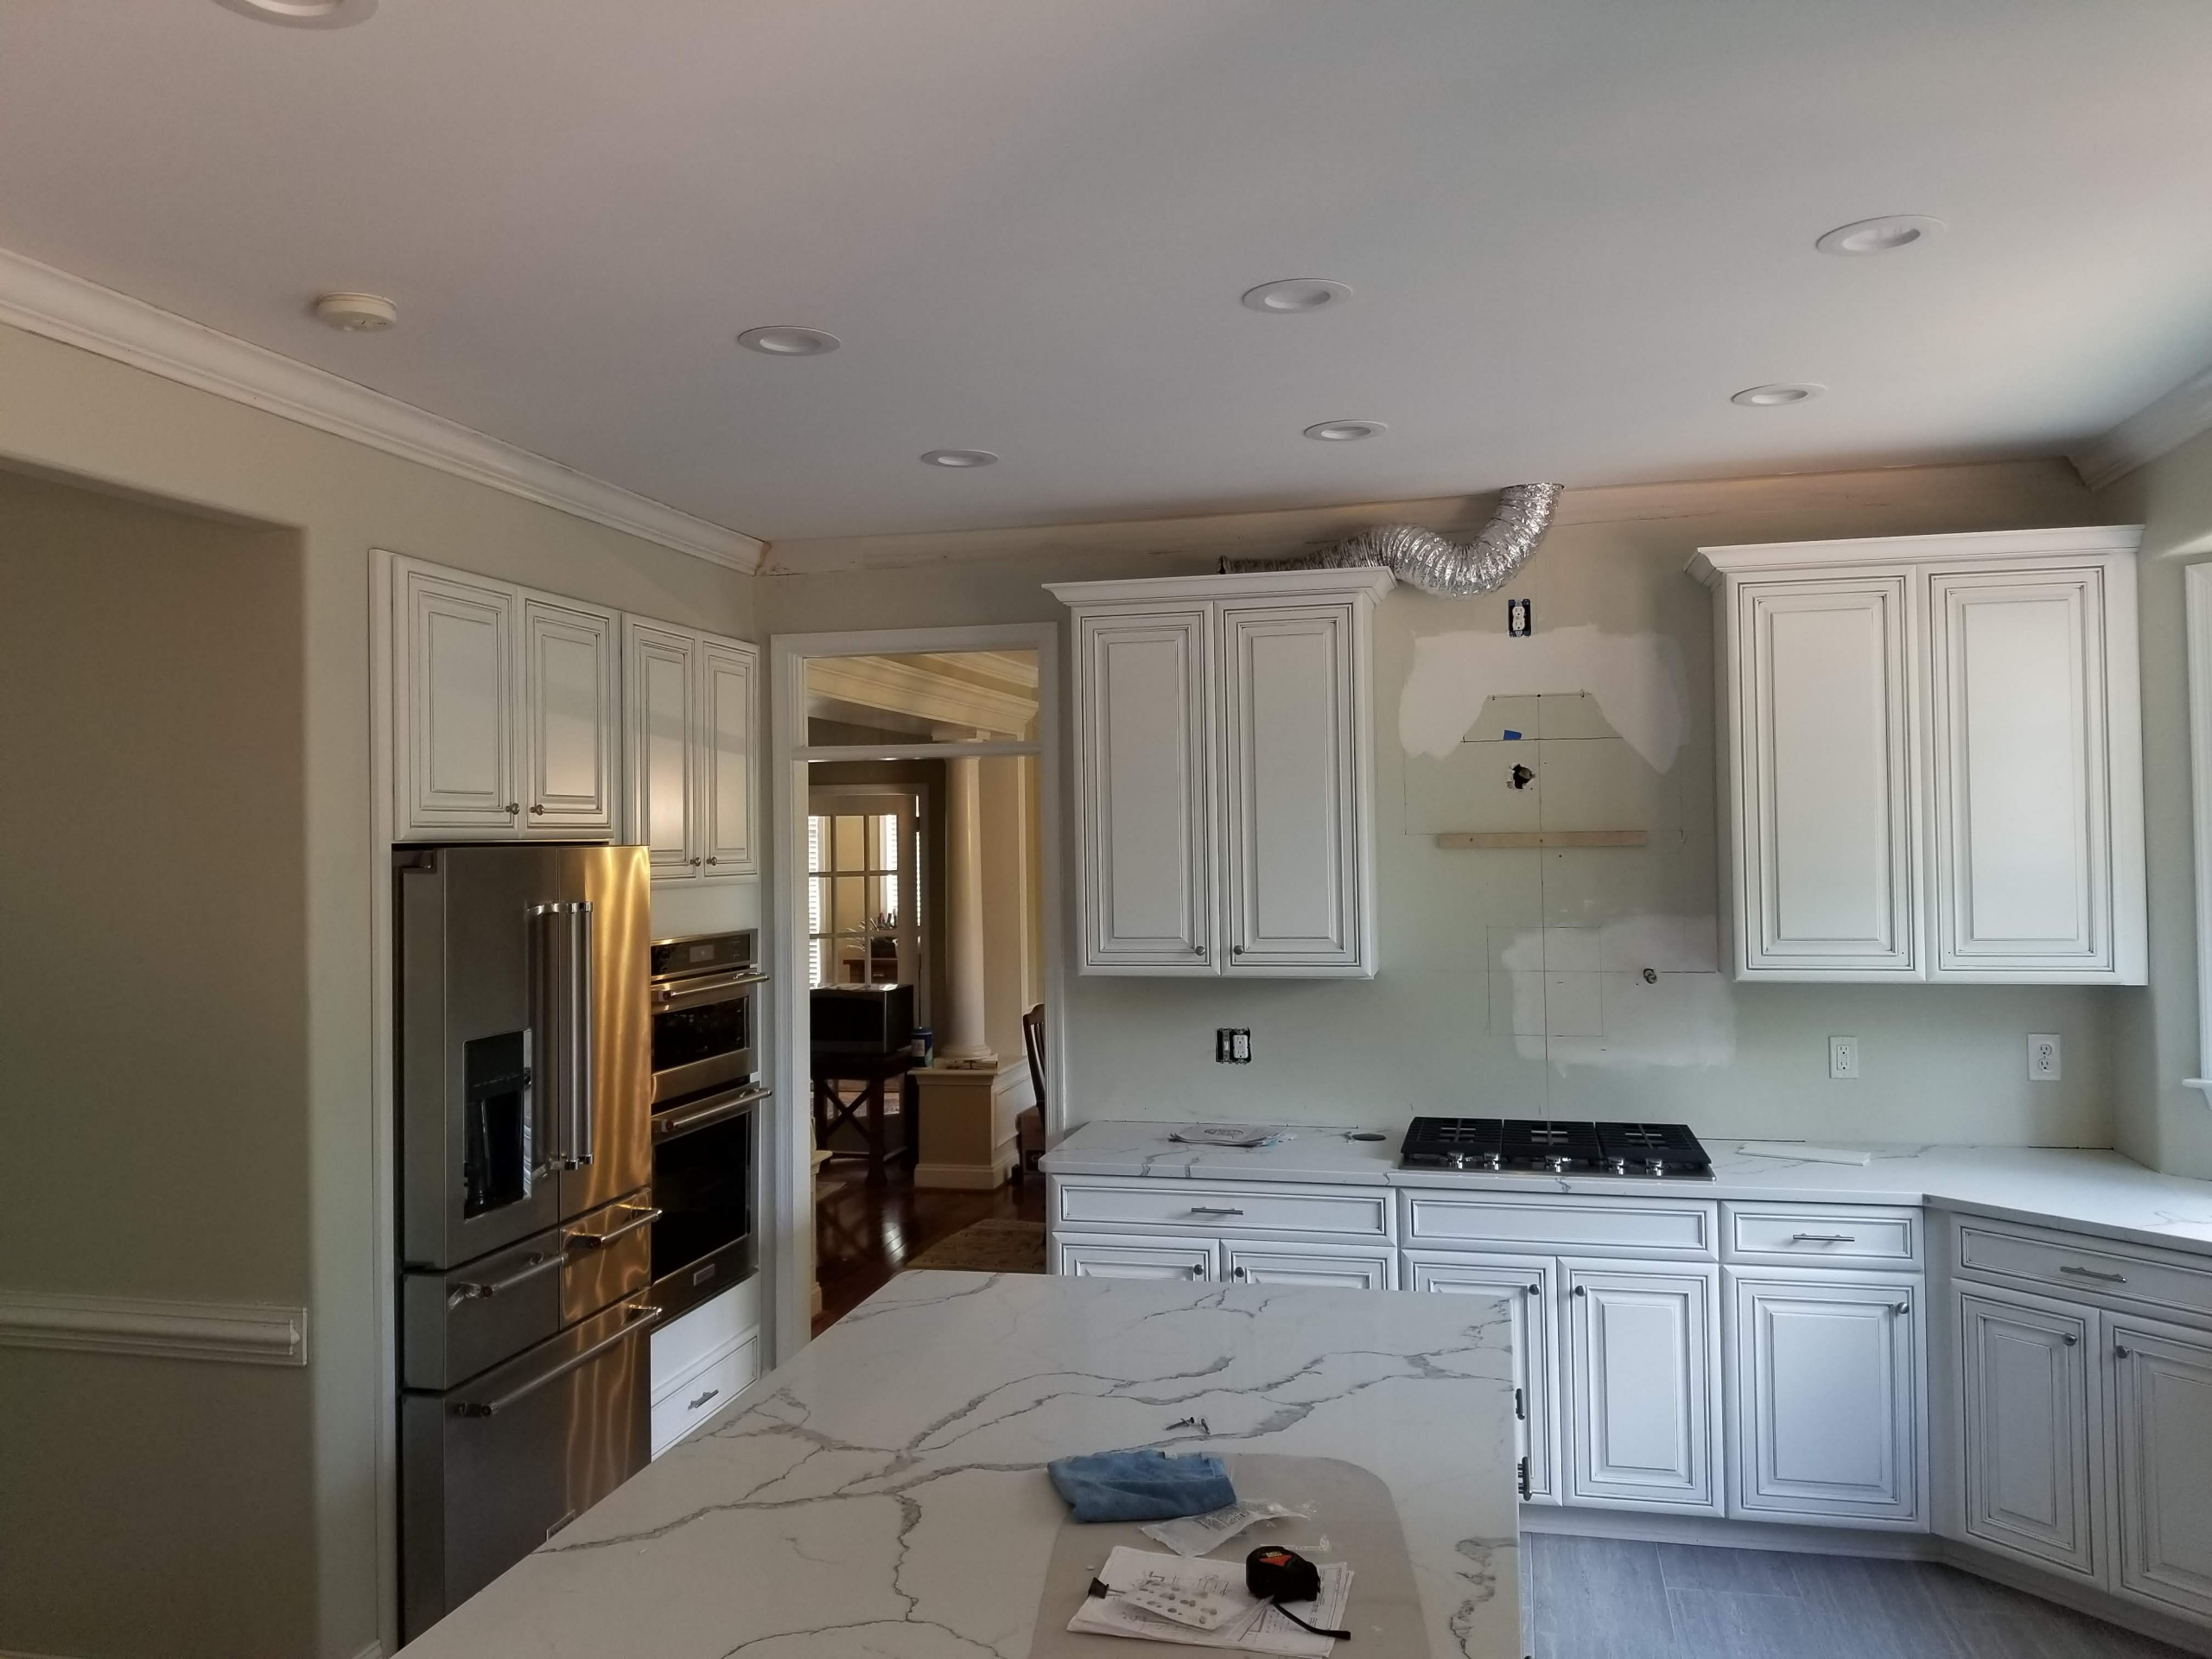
(1322, 1267)
(1189, 1259)
(571, 733)
(661, 706)
(1524, 1286)
(1292, 809)
(1823, 780)
(455, 688)
(2022, 796)
(728, 779)
(1144, 747)
(2162, 1411)
(1824, 1399)
(1642, 1381)
(2024, 1387)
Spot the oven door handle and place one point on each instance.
(638, 1218)
(717, 1109)
(680, 995)
(639, 1318)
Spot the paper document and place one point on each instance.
(1249, 1136)
(1793, 1149)
(1137, 1580)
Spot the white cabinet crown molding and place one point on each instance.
(1710, 565)
(1270, 585)
(2165, 423)
(251, 1333)
(41, 299)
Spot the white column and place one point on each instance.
(965, 1039)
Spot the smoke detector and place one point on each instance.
(356, 314)
(303, 14)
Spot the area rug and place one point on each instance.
(999, 1245)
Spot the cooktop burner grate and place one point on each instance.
(1542, 1147)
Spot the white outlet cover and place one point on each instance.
(2043, 1057)
(1843, 1059)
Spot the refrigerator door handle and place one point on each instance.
(640, 1319)
(639, 1215)
(548, 1071)
(578, 1040)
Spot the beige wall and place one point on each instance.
(74, 413)
(153, 1011)
(1938, 1063)
(2160, 1122)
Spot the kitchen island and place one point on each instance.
(884, 1492)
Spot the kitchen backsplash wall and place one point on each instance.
(1563, 982)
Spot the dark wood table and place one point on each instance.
(832, 1110)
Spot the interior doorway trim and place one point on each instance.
(790, 1169)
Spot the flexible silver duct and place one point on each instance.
(1427, 560)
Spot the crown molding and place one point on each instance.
(1710, 565)
(44, 301)
(252, 1333)
(2162, 424)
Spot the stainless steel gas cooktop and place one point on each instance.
(1537, 1147)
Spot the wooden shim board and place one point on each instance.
(1491, 838)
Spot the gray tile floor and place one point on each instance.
(1595, 1598)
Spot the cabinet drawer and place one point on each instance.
(1795, 1234)
(1075, 1257)
(682, 1346)
(1328, 1212)
(2097, 1268)
(703, 1395)
(1577, 1226)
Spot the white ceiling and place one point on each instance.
(1574, 226)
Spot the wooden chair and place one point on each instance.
(1029, 1122)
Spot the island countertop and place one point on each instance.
(884, 1492)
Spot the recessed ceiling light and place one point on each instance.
(1768, 397)
(304, 14)
(1345, 431)
(356, 314)
(788, 342)
(1883, 235)
(1297, 294)
(959, 457)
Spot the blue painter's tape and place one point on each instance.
(1512, 736)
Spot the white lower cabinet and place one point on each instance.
(703, 1360)
(1642, 1413)
(2031, 1463)
(1528, 1285)
(2162, 1419)
(1824, 1397)
(1323, 1267)
(1078, 1256)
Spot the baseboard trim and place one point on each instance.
(965, 1178)
(248, 1333)
(1631, 1526)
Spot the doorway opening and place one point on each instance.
(919, 787)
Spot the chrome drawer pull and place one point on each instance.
(702, 1400)
(2091, 1272)
(1823, 1238)
(1201, 1209)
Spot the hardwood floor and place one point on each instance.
(1598, 1598)
(864, 1235)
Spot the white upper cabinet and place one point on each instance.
(1931, 757)
(570, 694)
(1146, 810)
(505, 709)
(690, 755)
(453, 701)
(1226, 772)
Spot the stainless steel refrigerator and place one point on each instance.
(525, 1209)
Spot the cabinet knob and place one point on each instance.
(513, 807)
(538, 808)
(694, 863)
(1236, 1273)
(2118, 1351)
(1580, 1292)
(714, 861)
(1236, 950)
(2070, 1341)
(1535, 1290)
(1900, 1308)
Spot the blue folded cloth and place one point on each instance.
(1143, 1485)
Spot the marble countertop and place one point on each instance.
(885, 1493)
(2100, 1192)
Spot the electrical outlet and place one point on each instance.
(2043, 1056)
(1843, 1059)
(1232, 1046)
